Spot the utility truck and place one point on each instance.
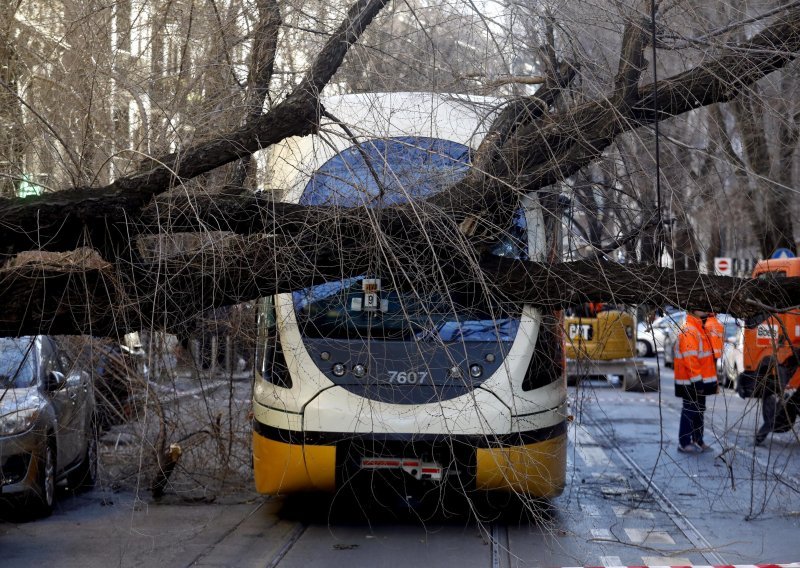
(601, 342)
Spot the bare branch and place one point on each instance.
(262, 63)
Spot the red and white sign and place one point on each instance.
(723, 266)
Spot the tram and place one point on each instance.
(365, 377)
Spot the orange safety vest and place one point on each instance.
(595, 308)
(716, 333)
(695, 370)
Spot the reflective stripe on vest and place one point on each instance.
(680, 355)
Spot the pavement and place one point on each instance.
(184, 383)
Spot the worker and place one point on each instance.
(595, 308)
(780, 398)
(716, 333)
(695, 378)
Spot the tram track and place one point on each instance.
(294, 536)
(238, 540)
(681, 521)
(500, 551)
(227, 534)
(289, 542)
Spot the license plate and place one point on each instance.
(415, 468)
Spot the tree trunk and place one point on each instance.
(11, 134)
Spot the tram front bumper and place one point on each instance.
(284, 465)
(537, 469)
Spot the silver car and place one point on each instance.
(651, 339)
(671, 339)
(46, 424)
(732, 361)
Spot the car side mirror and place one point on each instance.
(55, 381)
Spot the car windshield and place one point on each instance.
(772, 274)
(17, 369)
(379, 173)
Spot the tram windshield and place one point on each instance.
(384, 172)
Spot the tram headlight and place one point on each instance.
(359, 370)
(489, 358)
(325, 356)
(338, 369)
(475, 370)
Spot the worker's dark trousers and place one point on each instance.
(778, 414)
(771, 390)
(691, 425)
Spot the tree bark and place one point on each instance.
(262, 63)
(101, 217)
(11, 133)
(90, 297)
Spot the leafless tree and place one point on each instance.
(570, 122)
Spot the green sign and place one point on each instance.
(27, 188)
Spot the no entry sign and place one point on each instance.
(723, 266)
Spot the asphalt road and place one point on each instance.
(631, 499)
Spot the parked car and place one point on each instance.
(46, 424)
(670, 342)
(732, 361)
(650, 339)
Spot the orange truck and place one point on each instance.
(772, 342)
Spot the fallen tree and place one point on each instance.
(92, 297)
(285, 247)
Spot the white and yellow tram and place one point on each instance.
(361, 377)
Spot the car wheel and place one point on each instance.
(643, 348)
(85, 476)
(45, 488)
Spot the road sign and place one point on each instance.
(723, 266)
(782, 253)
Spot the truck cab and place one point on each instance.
(771, 342)
(596, 332)
(601, 342)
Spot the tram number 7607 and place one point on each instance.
(407, 377)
